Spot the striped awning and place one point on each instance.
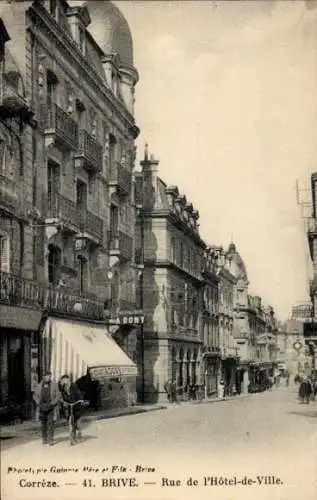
(73, 348)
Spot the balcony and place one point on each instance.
(20, 292)
(59, 128)
(64, 211)
(120, 245)
(9, 199)
(120, 178)
(12, 103)
(89, 155)
(91, 226)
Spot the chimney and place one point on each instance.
(150, 171)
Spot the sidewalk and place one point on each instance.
(32, 427)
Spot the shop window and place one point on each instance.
(4, 253)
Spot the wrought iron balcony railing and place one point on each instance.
(11, 101)
(90, 224)
(90, 151)
(73, 217)
(20, 292)
(120, 177)
(120, 244)
(63, 209)
(59, 127)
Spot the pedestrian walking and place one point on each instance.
(47, 399)
(168, 390)
(305, 391)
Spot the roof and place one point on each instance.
(111, 30)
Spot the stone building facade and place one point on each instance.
(311, 329)
(210, 323)
(167, 235)
(68, 215)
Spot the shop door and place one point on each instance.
(16, 385)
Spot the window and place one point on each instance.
(53, 5)
(181, 255)
(114, 221)
(4, 253)
(112, 148)
(83, 274)
(69, 97)
(54, 263)
(93, 123)
(34, 179)
(82, 44)
(81, 195)
(6, 159)
(173, 249)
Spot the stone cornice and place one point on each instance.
(225, 273)
(40, 16)
(176, 222)
(171, 265)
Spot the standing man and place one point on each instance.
(47, 398)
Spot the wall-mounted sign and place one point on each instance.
(127, 320)
(101, 372)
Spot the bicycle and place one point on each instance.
(72, 426)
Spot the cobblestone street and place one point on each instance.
(266, 434)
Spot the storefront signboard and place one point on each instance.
(127, 320)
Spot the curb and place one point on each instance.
(15, 434)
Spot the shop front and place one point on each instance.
(90, 356)
(229, 375)
(18, 331)
(212, 363)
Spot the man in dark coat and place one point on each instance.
(71, 394)
(47, 398)
(305, 391)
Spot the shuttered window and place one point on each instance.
(4, 254)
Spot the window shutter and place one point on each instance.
(5, 254)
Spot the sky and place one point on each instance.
(227, 103)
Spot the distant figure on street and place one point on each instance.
(305, 391)
(47, 399)
(297, 379)
(287, 379)
(168, 390)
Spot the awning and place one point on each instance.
(75, 347)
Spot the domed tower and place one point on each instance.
(112, 33)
